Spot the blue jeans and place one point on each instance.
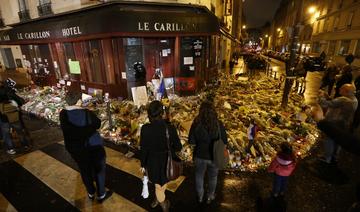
(200, 167)
(90, 171)
(279, 186)
(5, 131)
(331, 150)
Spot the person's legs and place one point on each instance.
(86, 172)
(5, 131)
(213, 171)
(99, 174)
(276, 185)
(20, 131)
(283, 184)
(200, 168)
(329, 147)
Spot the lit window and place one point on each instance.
(344, 47)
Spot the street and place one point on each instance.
(46, 178)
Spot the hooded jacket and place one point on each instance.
(282, 165)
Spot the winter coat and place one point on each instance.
(340, 110)
(154, 149)
(282, 165)
(204, 141)
(78, 125)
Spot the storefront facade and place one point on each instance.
(96, 48)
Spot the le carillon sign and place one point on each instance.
(111, 19)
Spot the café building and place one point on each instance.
(96, 48)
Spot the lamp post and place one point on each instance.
(290, 67)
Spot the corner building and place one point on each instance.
(96, 45)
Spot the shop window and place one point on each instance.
(344, 47)
(187, 65)
(357, 50)
(316, 47)
(331, 49)
(8, 58)
(96, 61)
(44, 7)
(133, 54)
(23, 11)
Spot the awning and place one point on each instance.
(115, 19)
(228, 35)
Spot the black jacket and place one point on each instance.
(153, 146)
(204, 141)
(77, 133)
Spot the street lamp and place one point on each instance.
(312, 9)
(244, 26)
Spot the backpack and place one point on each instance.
(10, 112)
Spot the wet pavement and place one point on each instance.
(46, 178)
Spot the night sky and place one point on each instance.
(257, 12)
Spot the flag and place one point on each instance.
(162, 88)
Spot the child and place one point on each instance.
(251, 133)
(282, 166)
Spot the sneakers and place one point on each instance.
(11, 152)
(105, 196)
(210, 199)
(91, 196)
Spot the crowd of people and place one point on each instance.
(338, 121)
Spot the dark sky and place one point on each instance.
(257, 12)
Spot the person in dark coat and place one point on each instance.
(203, 133)
(78, 126)
(154, 150)
(344, 78)
(8, 96)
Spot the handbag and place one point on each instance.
(220, 152)
(174, 165)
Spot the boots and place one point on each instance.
(165, 205)
(154, 203)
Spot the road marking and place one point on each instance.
(132, 166)
(5, 205)
(68, 184)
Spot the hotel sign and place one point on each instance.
(109, 20)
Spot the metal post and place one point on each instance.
(108, 111)
(290, 67)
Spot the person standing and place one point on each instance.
(282, 165)
(154, 150)
(79, 125)
(204, 131)
(10, 116)
(340, 113)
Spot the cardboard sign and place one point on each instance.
(139, 95)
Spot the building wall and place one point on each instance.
(343, 26)
(9, 11)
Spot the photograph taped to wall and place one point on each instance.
(188, 60)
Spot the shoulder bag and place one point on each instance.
(174, 165)
(220, 152)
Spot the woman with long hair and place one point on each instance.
(205, 129)
(154, 150)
